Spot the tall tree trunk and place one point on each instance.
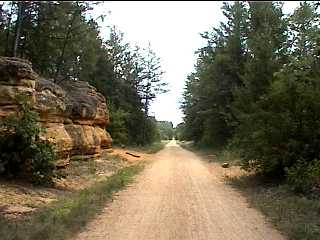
(65, 42)
(8, 47)
(21, 8)
(146, 107)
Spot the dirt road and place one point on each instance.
(176, 197)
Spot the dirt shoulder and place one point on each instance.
(18, 199)
(127, 154)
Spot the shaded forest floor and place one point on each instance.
(297, 216)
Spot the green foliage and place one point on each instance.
(117, 127)
(256, 86)
(132, 128)
(284, 128)
(155, 147)
(22, 153)
(62, 41)
(146, 130)
(208, 94)
(281, 126)
(151, 131)
(179, 132)
(150, 79)
(41, 165)
(165, 129)
(130, 79)
(304, 175)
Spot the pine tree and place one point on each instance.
(151, 82)
(218, 72)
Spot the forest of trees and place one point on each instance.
(166, 130)
(63, 42)
(256, 90)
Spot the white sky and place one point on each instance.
(172, 28)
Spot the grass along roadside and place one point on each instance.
(297, 216)
(64, 218)
(212, 155)
(151, 148)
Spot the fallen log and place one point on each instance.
(137, 156)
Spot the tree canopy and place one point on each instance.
(63, 42)
(255, 88)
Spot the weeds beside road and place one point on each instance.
(295, 215)
(151, 148)
(65, 217)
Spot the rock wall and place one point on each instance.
(73, 113)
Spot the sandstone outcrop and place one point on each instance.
(73, 113)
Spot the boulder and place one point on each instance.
(105, 138)
(16, 77)
(73, 114)
(16, 72)
(85, 105)
(58, 136)
(50, 101)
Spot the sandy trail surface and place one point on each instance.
(177, 197)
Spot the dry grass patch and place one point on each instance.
(18, 199)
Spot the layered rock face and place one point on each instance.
(73, 113)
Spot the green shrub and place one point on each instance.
(303, 176)
(22, 153)
(282, 128)
(165, 129)
(117, 126)
(151, 131)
